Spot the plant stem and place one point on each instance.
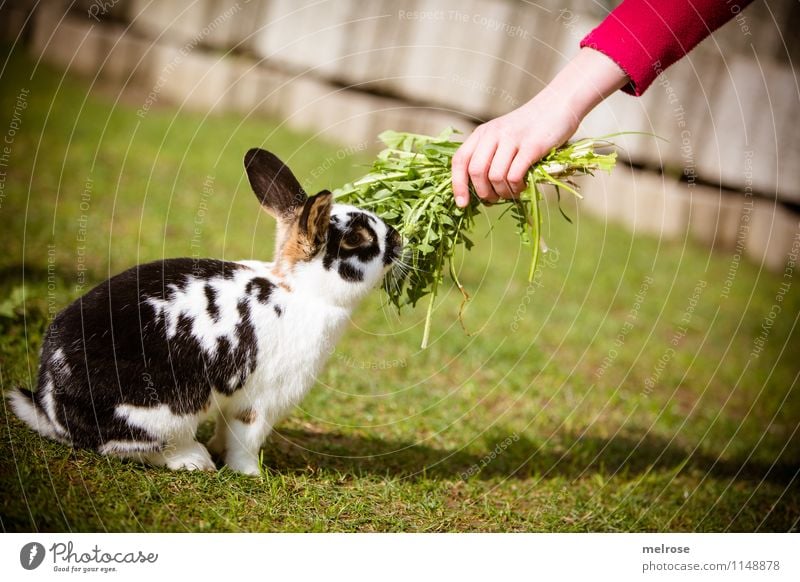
(429, 313)
(426, 331)
(535, 228)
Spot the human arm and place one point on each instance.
(627, 51)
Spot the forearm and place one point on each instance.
(583, 83)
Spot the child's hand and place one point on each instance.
(498, 154)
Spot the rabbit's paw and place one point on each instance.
(190, 457)
(243, 463)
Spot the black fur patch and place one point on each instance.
(363, 253)
(211, 299)
(263, 288)
(278, 310)
(349, 273)
(239, 362)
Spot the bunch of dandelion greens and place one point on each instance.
(410, 187)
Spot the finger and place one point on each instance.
(479, 169)
(498, 171)
(525, 158)
(492, 198)
(460, 166)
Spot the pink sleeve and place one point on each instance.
(644, 37)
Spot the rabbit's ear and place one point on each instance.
(316, 216)
(311, 229)
(274, 184)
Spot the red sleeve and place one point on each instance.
(644, 37)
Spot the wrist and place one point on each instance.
(587, 79)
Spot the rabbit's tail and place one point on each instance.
(29, 409)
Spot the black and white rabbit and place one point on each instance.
(135, 365)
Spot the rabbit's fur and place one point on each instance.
(135, 365)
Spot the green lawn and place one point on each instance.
(571, 407)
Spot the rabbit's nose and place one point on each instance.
(394, 244)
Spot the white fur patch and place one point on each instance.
(125, 447)
(58, 363)
(31, 415)
(159, 421)
(49, 404)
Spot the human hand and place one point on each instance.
(498, 154)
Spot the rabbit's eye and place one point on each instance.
(353, 239)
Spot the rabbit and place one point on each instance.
(132, 367)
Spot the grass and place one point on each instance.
(538, 421)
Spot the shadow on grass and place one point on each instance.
(570, 456)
